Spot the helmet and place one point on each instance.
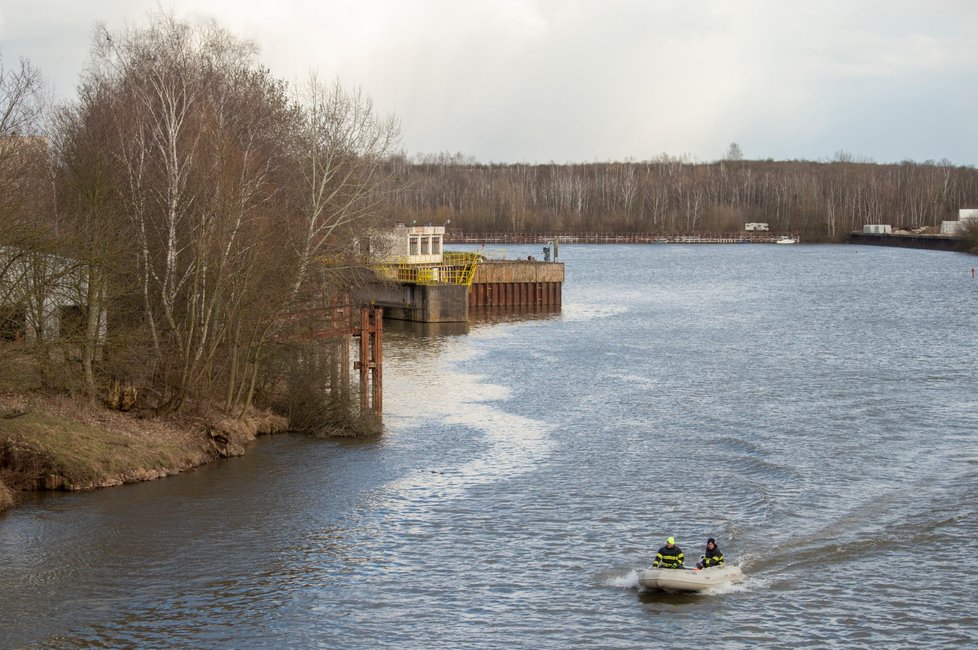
(670, 540)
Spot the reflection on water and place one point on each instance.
(424, 330)
(478, 317)
(497, 315)
(803, 406)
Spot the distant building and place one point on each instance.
(878, 228)
(756, 226)
(42, 296)
(952, 227)
(966, 216)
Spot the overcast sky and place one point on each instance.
(587, 80)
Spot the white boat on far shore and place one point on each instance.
(787, 239)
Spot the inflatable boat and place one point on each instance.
(689, 580)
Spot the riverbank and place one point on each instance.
(56, 443)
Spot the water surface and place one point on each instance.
(811, 407)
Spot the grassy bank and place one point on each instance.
(53, 442)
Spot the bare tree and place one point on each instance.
(199, 145)
(25, 193)
(734, 152)
(21, 147)
(343, 147)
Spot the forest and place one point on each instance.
(821, 201)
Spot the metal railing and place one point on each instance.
(455, 268)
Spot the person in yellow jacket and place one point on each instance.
(669, 556)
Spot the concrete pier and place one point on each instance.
(422, 303)
(517, 284)
(495, 284)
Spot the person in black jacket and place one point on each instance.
(712, 557)
(669, 556)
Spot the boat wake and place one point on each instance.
(628, 580)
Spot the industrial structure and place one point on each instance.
(425, 283)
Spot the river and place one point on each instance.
(814, 408)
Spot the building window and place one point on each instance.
(436, 245)
(13, 322)
(426, 245)
(71, 322)
(413, 250)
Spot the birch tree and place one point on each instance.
(200, 142)
(343, 146)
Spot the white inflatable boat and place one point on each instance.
(689, 580)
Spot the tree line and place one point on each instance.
(822, 201)
(189, 197)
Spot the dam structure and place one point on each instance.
(424, 283)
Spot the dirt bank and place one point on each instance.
(58, 444)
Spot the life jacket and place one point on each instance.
(713, 558)
(669, 558)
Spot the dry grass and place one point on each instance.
(6, 496)
(50, 442)
(18, 369)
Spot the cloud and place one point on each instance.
(577, 80)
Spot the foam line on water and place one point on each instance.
(515, 443)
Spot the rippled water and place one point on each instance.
(811, 407)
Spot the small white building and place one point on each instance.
(952, 227)
(413, 244)
(756, 226)
(42, 296)
(966, 216)
(878, 228)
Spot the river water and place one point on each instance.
(814, 408)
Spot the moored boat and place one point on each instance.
(689, 580)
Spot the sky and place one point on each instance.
(596, 80)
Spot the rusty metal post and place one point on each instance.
(377, 366)
(364, 363)
(345, 361)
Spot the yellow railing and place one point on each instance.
(455, 268)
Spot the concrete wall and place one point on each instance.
(518, 271)
(951, 227)
(435, 303)
(878, 228)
